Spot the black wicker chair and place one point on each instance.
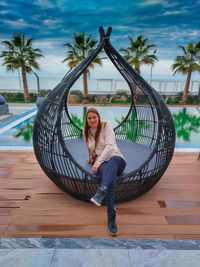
(146, 136)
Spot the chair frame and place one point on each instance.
(149, 124)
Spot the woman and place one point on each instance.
(107, 162)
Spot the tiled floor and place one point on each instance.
(98, 252)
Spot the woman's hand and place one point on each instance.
(88, 160)
(95, 167)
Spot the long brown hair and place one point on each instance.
(87, 133)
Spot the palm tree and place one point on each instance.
(21, 55)
(77, 52)
(138, 52)
(187, 64)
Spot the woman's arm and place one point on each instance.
(95, 167)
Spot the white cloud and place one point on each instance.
(164, 3)
(149, 3)
(194, 33)
(174, 12)
(52, 65)
(107, 8)
(50, 22)
(19, 24)
(36, 17)
(44, 4)
(46, 44)
(161, 70)
(55, 44)
(170, 3)
(3, 3)
(4, 12)
(65, 31)
(106, 71)
(124, 28)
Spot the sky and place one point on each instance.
(165, 23)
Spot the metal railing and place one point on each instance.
(110, 86)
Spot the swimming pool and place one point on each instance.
(16, 134)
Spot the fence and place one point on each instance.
(168, 87)
(108, 86)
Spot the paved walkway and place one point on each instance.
(98, 252)
(16, 109)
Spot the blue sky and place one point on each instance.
(166, 24)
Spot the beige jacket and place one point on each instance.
(106, 147)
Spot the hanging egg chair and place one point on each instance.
(146, 136)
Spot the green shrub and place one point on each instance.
(75, 92)
(18, 97)
(33, 97)
(129, 98)
(44, 92)
(170, 101)
(91, 98)
(176, 100)
(192, 99)
(121, 93)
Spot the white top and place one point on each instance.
(106, 146)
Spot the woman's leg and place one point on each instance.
(110, 197)
(109, 170)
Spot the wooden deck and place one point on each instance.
(32, 206)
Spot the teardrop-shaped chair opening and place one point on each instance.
(136, 134)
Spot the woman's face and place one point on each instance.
(92, 119)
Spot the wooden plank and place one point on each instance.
(99, 229)
(165, 212)
(5, 219)
(3, 229)
(189, 219)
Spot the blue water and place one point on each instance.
(187, 122)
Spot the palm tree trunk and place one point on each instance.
(25, 85)
(85, 87)
(137, 69)
(186, 89)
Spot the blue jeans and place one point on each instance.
(108, 171)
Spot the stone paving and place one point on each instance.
(99, 252)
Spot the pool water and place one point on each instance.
(186, 120)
